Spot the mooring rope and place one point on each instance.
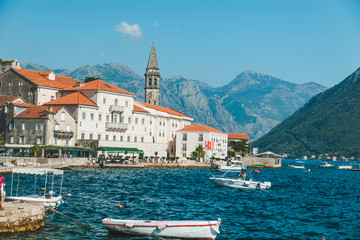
(83, 225)
(225, 232)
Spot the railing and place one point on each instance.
(114, 108)
(63, 134)
(121, 127)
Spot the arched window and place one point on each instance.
(150, 81)
(155, 82)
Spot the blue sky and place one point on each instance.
(212, 41)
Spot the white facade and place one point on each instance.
(188, 140)
(45, 94)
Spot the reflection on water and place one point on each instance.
(300, 205)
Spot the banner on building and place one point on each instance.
(209, 145)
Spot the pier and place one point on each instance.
(21, 217)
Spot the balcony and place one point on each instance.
(63, 134)
(117, 127)
(118, 109)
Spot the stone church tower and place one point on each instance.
(152, 79)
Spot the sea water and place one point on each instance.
(322, 202)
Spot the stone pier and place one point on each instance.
(20, 217)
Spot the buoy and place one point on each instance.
(68, 195)
(257, 171)
(43, 189)
(308, 170)
(120, 206)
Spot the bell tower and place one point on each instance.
(152, 79)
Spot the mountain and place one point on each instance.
(252, 103)
(327, 124)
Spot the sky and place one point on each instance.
(212, 41)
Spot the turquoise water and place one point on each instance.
(300, 205)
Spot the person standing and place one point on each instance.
(3, 192)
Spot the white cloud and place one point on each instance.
(130, 30)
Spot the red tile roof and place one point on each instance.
(4, 99)
(99, 85)
(36, 111)
(39, 79)
(75, 98)
(240, 136)
(139, 109)
(199, 128)
(163, 109)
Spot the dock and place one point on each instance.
(21, 217)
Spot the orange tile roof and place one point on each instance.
(139, 109)
(199, 128)
(38, 79)
(99, 85)
(4, 99)
(23, 105)
(163, 109)
(240, 136)
(36, 111)
(75, 98)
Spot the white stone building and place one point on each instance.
(214, 141)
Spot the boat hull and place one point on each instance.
(52, 202)
(169, 229)
(242, 184)
(296, 166)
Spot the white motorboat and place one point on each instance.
(234, 166)
(326, 164)
(297, 165)
(162, 228)
(48, 197)
(241, 182)
(346, 167)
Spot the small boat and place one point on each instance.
(346, 167)
(326, 164)
(297, 164)
(241, 182)
(235, 166)
(354, 169)
(48, 198)
(162, 228)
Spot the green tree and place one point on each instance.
(2, 139)
(240, 147)
(198, 153)
(90, 79)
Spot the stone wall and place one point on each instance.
(20, 217)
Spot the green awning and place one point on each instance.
(119, 150)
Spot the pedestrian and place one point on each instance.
(3, 192)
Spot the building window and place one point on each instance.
(22, 140)
(55, 141)
(150, 121)
(11, 139)
(128, 138)
(107, 118)
(99, 117)
(136, 120)
(91, 116)
(150, 81)
(142, 139)
(9, 84)
(184, 147)
(11, 126)
(121, 119)
(129, 120)
(99, 136)
(201, 137)
(114, 118)
(56, 127)
(184, 137)
(91, 136)
(135, 139)
(184, 154)
(106, 137)
(159, 134)
(143, 121)
(52, 98)
(82, 136)
(20, 83)
(155, 82)
(127, 103)
(23, 126)
(83, 115)
(104, 100)
(62, 117)
(38, 127)
(68, 128)
(66, 142)
(114, 138)
(115, 102)
(121, 138)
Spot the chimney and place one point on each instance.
(49, 75)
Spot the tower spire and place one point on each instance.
(152, 79)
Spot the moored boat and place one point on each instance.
(162, 228)
(326, 164)
(48, 198)
(297, 164)
(235, 166)
(346, 167)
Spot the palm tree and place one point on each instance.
(200, 152)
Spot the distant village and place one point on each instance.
(55, 116)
